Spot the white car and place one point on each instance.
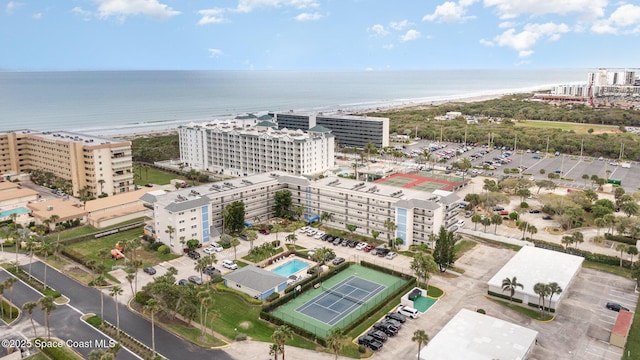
(361, 246)
(311, 232)
(229, 264)
(216, 247)
(304, 229)
(391, 255)
(319, 234)
(209, 250)
(460, 223)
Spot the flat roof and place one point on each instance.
(470, 335)
(532, 265)
(623, 323)
(68, 136)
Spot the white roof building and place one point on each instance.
(471, 335)
(532, 265)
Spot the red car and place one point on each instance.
(264, 231)
(368, 248)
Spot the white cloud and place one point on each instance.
(450, 12)
(524, 41)
(399, 25)
(508, 9)
(486, 42)
(12, 5)
(124, 8)
(250, 5)
(308, 17)
(214, 53)
(37, 16)
(506, 24)
(86, 15)
(410, 35)
(211, 16)
(624, 20)
(378, 29)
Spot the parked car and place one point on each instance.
(534, 211)
(217, 247)
(209, 250)
(396, 316)
(503, 213)
(264, 231)
(337, 241)
(193, 254)
(547, 217)
(386, 328)
(378, 335)
(338, 261)
(370, 342)
(391, 255)
(229, 264)
(395, 323)
(368, 248)
(460, 223)
(149, 270)
(353, 244)
(361, 246)
(210, 270)
(498, 208)
(468, 214)
(183, 282)
(243, 237)
(195, 279)
(616, 307)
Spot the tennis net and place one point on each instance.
(343, 296)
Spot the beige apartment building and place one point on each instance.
(99, 165)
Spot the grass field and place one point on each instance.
(632, 350)
(150, 175)
(566, 126)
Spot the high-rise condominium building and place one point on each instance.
(234, 149)
(93, 165)
(349, 130)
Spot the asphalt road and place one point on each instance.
(65, 323)
(87, 300)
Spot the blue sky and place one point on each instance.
(317, 34)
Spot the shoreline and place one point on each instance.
(150, 130)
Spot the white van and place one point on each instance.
(408, 311)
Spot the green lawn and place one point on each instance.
(527, 311)
(87, 229)
(613, 269)
(151, 175)
(235, 316)
(90, 249)
(632, 349)
(565, 126)
(463, 246)
(193, 334)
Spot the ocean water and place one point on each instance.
(112, 102)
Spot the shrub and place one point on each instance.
(275, 243)
(362, 349)
(245, 297)
(164, 249)
(241, 337)
(142, 298)
(154, 246)
(273, 296)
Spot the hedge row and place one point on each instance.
(33, 282)
(620, 238)
(533, 305)
(503, 296)
(53, 352)
(75, 256)
(587, 255)
(298, 330)
(385, 270)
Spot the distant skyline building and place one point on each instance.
(604, 83)
(96, 164)
(349, 130)
(237, 149)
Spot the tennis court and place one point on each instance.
(423, 181)
(340, 300)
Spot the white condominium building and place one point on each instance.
(195, 213)
(232, 149)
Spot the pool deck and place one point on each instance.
(300, 274)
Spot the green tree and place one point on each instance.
(476, 219)
(292, 238)
(472, 199)
(391, 227)
(352, 228)
(326, 216)
(274, 349)
(29, 306)
(115, 291)
(630, 207)
(622, 248)
(444, 251)
(322, 255)
(420, 337)
(511, 285)
(423, 266)
(633, 251)
(599, 223)
(252, 235)
(542, 290)
(283, 202)
(47, 305)
(152, 306)
(170, 230)
(235, 242)
(9, 283)
(496, 219)
(44, 250)
(235, 221)
(276, 228)
(336, 341)
(554, 289)
(566, 241)
(578, 238)
(281, 335)
(375, 234)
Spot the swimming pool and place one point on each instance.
(17, 211)
(290, 268)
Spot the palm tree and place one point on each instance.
(96, 355)
(101, 182)
(511, 285)
(130, 278)
(554, 289)
(47, 305)
(532, 230)
(578, 238)
(206, 299)
(152, 307)
(8, 285)
(276, 228)
(622, 248)
(115, 291)
(2, 288)
(23, 233)
(292, 238)
(274, 349)
(235, 243)
(391, 226)
(96, 281)
(542, 290)
(326, 216)
(44, 250)
(421, 337)
(476, 219)
(170, 230)
(336, 341)
(281, 335)
(633, 251)
(28, 307)
(496, 219)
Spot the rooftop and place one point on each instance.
(66, 136)
(255, 278)
(470, 335)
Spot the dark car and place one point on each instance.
(616, 307)
(264, 231)
(149, 270)
(370, 342)
(337, 241)
(210, 270)
(345, 242)
(195, 279)
(382, 252)
(393, 322)
(194, 255)
(329, 239)
(183, 282)
(244, 237)
(498, 208)
(534, 211)
(397, 317)
(386, 328)
(547, 217)
(338, 261)
(378, 335)
(353, 244)
(324, 237)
